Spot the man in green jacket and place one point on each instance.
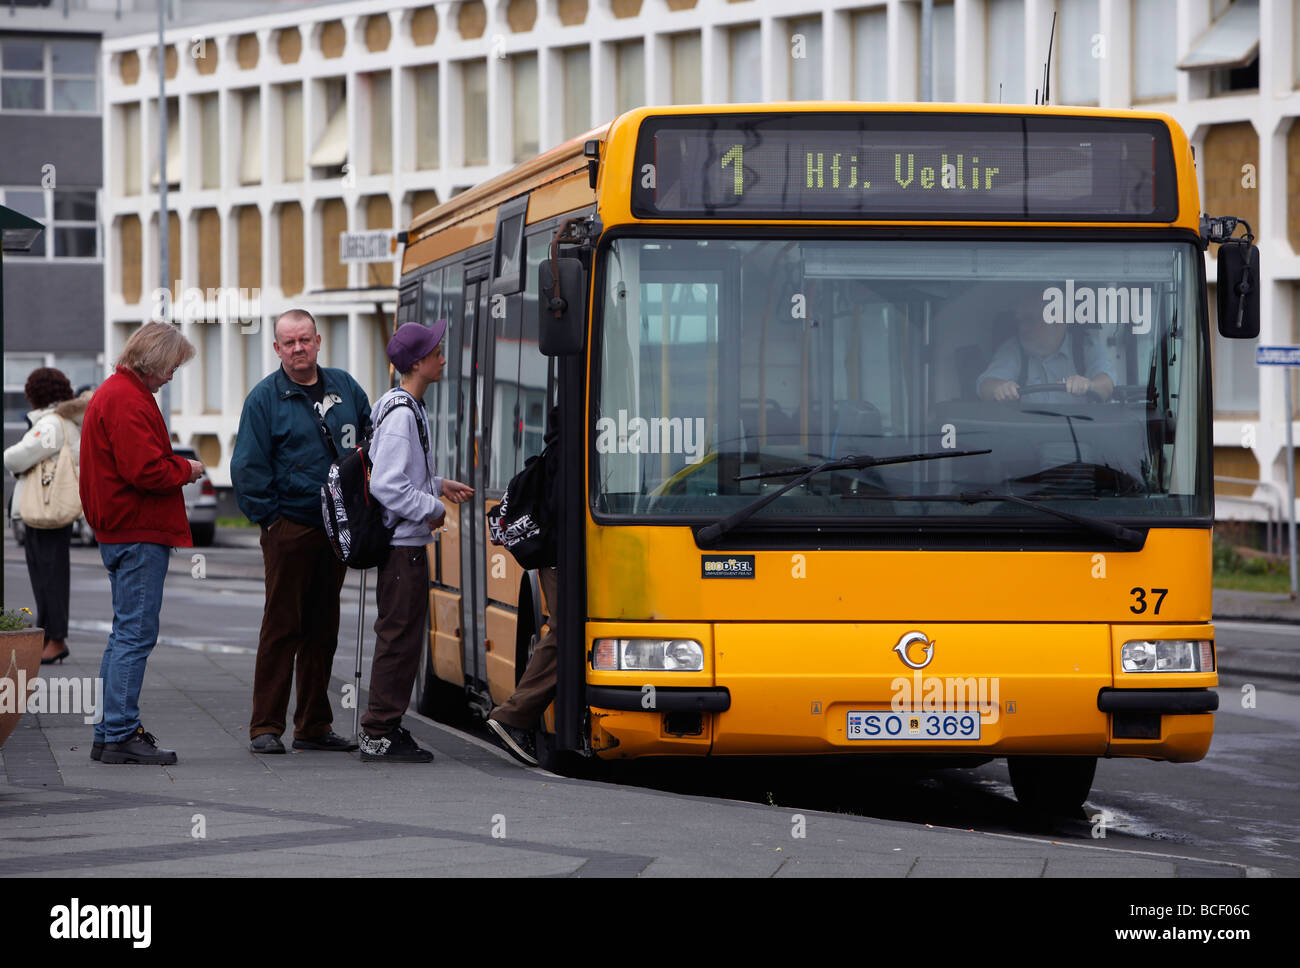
(295, 423)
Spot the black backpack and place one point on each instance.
(354, 518)
(525, 520)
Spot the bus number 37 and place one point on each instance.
(1140, 600)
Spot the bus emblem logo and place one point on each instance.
(909, 639)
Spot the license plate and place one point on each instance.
(912, 725)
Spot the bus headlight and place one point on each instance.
(1168, 655)
(657, 655)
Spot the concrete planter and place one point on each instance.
(20, 662)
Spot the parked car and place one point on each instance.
(81, 532)
(200, 503)
(200, 507)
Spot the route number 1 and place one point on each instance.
(736, 159)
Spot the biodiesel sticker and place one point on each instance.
(726, 566)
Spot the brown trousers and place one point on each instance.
(537, 687)
(300, 630)
(401, 631)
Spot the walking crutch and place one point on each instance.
(356, 677)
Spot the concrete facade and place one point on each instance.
(515, 59)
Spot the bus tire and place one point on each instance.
(435, 698)
(1052, 784)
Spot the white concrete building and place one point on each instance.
(295, 125)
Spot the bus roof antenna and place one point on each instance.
(1047, 67)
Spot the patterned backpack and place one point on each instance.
(354, 518)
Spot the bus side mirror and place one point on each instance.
(1238, 291)
(562, 317)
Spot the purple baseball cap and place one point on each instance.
(413, 342)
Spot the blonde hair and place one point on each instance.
(155, 348)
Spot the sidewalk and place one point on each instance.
(1256, 607)
(222, 811)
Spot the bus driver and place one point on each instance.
(1043, 352)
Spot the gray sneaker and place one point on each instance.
(266, 743)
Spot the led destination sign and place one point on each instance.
(929, 166)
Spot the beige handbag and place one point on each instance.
(51, 491)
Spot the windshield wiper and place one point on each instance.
(712, 532)
(1109, 528)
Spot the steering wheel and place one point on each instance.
(1032, 388)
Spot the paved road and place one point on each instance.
(476, 812)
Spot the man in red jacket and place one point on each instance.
(131, 495)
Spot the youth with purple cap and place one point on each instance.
(403, 481)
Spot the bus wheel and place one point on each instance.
(434, 698)
(1052, 784)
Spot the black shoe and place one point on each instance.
(331, 742)
(97, 750)
(397, 747)
(142, 747)
(266, 743)
(517, 742)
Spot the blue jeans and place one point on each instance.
(135, 572)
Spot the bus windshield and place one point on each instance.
(723, 364)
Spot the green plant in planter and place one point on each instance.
(15, 619)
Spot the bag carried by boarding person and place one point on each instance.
(525, 520)
(354, 518)
(51, 491)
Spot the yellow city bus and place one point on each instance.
(882, 429)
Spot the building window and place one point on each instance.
(805, 46)
(577, 91)
(251, 344)
(173, 145)
(381, 122)
(210, 125)
(1004, 52)
(55, 75)
(745, 47)
(30, 202)
(870, 56)
(70, 217)
(291, 131)
(629, 57)
(212, 368)
(1080, 44)
(426, 117)
(330, 152)
(687, 81)
(473, 80)
(1236, 377)
(1155, 61)
(1229, 49)
(130, 129)
(523, 81)
(336, 333)
(76, 228)
(250, 137)
(943, 59)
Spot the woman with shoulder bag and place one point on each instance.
(52, 505)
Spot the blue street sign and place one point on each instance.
(1277, 355)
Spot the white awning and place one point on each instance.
(1231, 41)
(173, 156)
(332, 148)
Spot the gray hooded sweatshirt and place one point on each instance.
(402, 477)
